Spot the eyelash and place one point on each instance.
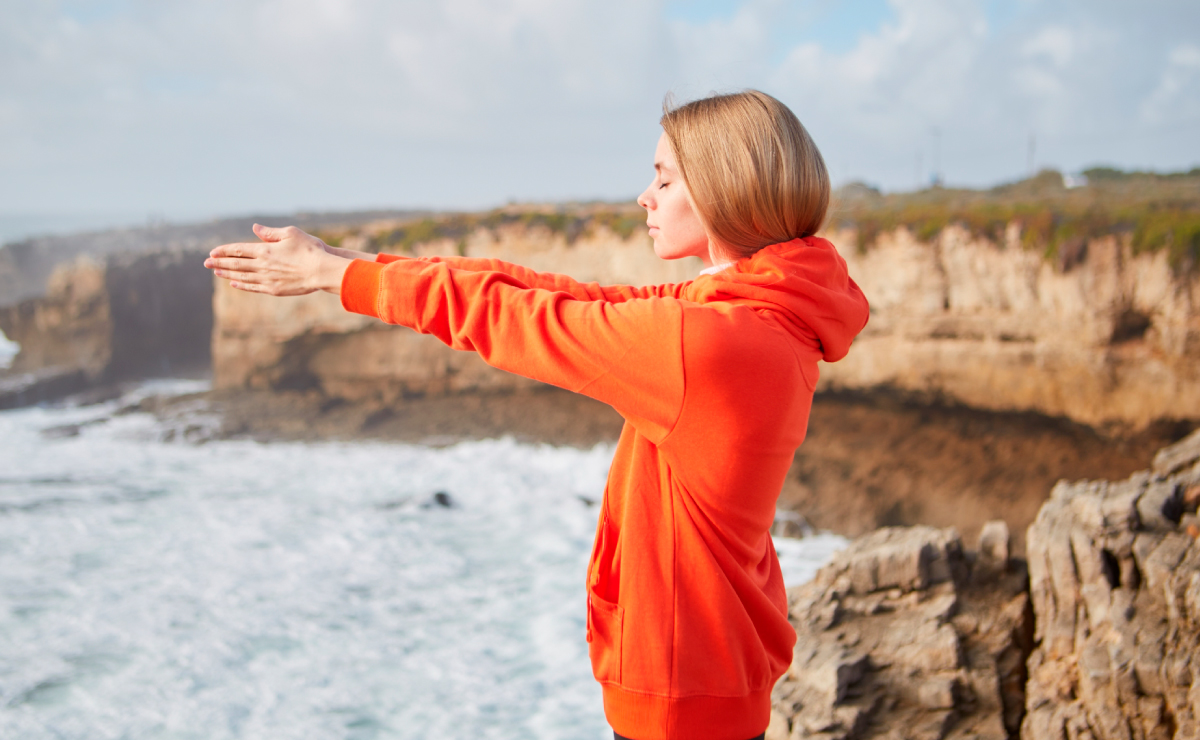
(660, 187)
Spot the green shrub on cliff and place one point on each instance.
(1154, 211)
(572, 222)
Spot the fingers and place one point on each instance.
(249, 287)
(239, 265)
(269, 234)
(243, 251)
(238, 276)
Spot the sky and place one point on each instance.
(166, 109)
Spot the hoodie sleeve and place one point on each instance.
(549, 280)
(627, 354)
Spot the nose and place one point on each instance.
(645, 200)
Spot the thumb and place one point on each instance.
(267, 234)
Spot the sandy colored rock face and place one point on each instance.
(127, 316)
(1110, 342)
(903, 635)
(1114, 573)
(311, 343)
(70, 327)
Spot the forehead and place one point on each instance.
(664, 156)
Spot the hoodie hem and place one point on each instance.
(643, 716)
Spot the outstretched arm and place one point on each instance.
(592, 291)
(290, 262)
(627, 354)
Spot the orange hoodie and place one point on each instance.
(687, 614)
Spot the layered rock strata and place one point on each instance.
(309, 342)
(1115, 579)
(1096, 636)
(126, 317)
(906, 635)
(1108, 338)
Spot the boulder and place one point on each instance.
(904, 634)
(1114, 572)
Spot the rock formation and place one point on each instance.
(906, 635)
(1109, 338)
(309, 342)
(1114, 573)
(130, 316)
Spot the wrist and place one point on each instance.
(331, 272)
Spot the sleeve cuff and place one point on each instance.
(384, 259)
(360, 287)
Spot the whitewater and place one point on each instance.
(155, 588)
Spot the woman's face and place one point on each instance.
(674, 225)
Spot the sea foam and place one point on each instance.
(236, 589)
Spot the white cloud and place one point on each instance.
(1177, 95)
(235, 105)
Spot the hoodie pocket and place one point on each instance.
(605, 619)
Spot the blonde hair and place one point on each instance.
(755, 176)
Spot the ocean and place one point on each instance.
(156, 588)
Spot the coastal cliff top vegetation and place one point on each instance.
(1050, 213)
(1054, 214)
(573, 221)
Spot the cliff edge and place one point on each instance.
(906, 634)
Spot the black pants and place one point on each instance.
(616, 737)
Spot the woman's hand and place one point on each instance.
(287, 262)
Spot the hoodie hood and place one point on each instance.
(803, 282)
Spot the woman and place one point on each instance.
(687, 615)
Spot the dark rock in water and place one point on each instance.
(95, 396)
(63, 431)
(442, 499)
(588, 502)
(45, 384)
(899, 634)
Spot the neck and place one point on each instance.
(714, 257)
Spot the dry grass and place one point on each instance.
(1156, 211)
(572, 221)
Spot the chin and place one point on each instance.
(664, 252)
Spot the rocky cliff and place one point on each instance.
(1108, 338)
(309, 342)
(907, 634)
(126, 317)
(1115, 579)
(1020, 353)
